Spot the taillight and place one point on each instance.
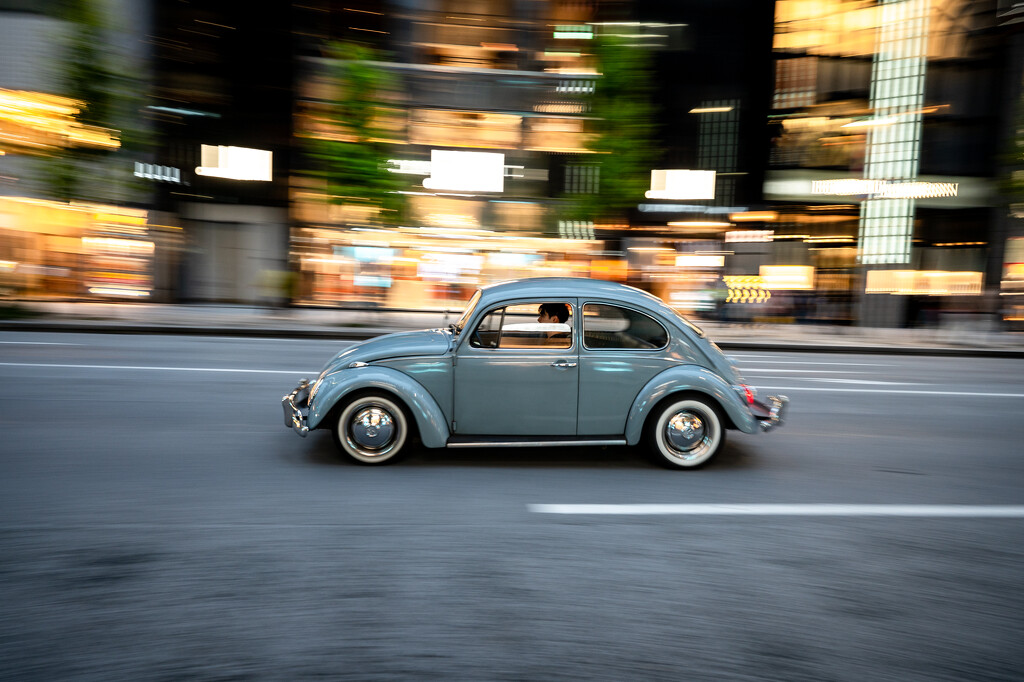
(747, 392)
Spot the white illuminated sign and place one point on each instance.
(466, 171)
(787, 276)
(573, 32)
(885, 189)
(750, 236)
(409, 166)
(236, 163)
(697, 260)
(681, 184)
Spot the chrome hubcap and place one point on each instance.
(372, 429)
(685, 431)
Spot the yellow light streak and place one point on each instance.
(754, 215)
(35, 120)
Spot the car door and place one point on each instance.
(516, 377)
(622, 349)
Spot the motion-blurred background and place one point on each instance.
(817, 161)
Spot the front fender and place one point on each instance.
(687, 378)
(432, 425)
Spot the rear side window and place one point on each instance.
(610, 326)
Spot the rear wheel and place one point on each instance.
(371, 429)
(686, 433)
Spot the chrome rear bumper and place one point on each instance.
(296, 408)
(770, 413)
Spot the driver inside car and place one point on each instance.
(554, 313)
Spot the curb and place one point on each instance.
(363, 333)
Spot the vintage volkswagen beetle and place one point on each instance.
(599, 364)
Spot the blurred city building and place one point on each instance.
(836, 161)
(891, 126)
(73, 215)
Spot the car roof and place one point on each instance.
(555, 287)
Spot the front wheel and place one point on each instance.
(686, 433)
(371, 429)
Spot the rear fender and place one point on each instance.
(687, 378)
(433, 428)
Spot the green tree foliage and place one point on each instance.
(1012, 182)
(91, 71)
(351, 159)
(623, 130)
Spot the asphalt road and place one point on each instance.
(160, 523)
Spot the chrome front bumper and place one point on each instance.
(296, 408)
(770, 413)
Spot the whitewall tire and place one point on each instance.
(371, 429)
(686, 433)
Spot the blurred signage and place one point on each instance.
(573, 32)
(370, 254)
(235, 163)
(930, 191)
(448, 267)
(691, 208)
(466, 171)
(681, 184)
(409, 166)
(924, 282)
(151, 171)
(749, 236)
(697, 260)
(745, 289)
(378, 281)
(778, 277)
(885, 189)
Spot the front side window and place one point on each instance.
(525, 326)
(610, 326)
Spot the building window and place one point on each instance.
(582, 179)
(796, 82)
(719, 145)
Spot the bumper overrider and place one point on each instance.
(296, 408)
(769, 412)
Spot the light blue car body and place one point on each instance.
(453, 389)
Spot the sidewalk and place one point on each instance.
(356, 324)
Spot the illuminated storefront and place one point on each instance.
(80, 250)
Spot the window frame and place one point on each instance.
(574, 312)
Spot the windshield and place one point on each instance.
(469, 311)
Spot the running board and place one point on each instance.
(516, 443)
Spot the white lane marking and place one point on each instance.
(865, 381)
(769, 370)
(40, 343)
(162, 369)
(841, 364)
(280, 339)
(757, 356)
(894, 391)
(919, 510)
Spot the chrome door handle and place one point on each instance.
(563, 363)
